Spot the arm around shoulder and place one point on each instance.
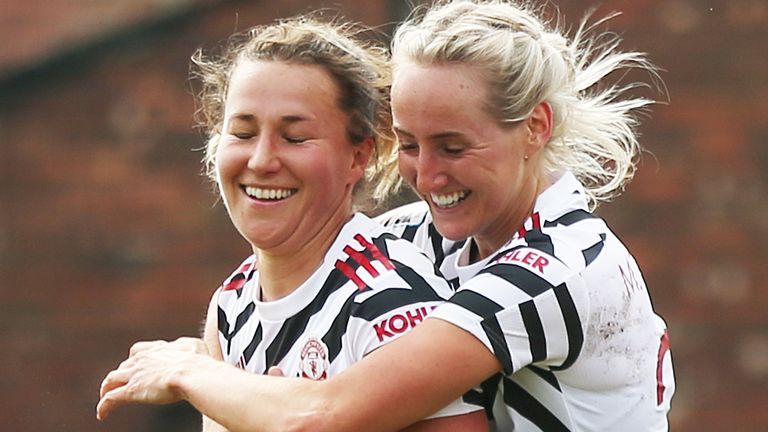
(388, 390)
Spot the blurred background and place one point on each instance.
(110, 234)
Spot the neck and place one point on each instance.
(489, 243)
(282, 272)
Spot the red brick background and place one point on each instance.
(109, 234)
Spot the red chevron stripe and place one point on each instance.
(347, 270)
(362, 260)
(375, 252)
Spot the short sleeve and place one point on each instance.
(527, 308)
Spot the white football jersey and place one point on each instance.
(370, 289)
(565, 309)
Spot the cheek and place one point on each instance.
(225, 162)
(325, 175)
(407, 166)
(227, 167)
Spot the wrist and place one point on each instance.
(188, 375)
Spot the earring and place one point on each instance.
(525, 157)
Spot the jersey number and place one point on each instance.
(663, 348)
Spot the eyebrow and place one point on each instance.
(437, 136)
(284, 119)
(243, 117)
(294, 119)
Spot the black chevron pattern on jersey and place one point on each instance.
(534, 285)
(495, 334)
(437, 244)
(529, 407)
(545, 375)
(522, 278)
(294, 327)
(240, 321)
(537, 338)
(538, 240)
(593, 251)
(485, 395)
(387, 300)
(337, 330)
(410, 232)
(381, 242)
(476, 303)
(456, 246)
(332, 339)
(380, 303)
(483, 306)
(251, 348)
(572, 326)
(570, 218)
(454, 283)
(573, 217)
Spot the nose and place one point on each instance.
(430, 172)
(265, 156)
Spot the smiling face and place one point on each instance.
(285, 165)
(472, 171)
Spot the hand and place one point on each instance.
(149, 375)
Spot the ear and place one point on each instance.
(539, 124)
(360, 158)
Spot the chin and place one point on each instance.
(453, 231)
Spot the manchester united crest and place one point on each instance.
(314, 360)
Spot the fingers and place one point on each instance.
(275, 371)
(116, 378)
(122, 395)
(108, 402)
(113, 385)
(142, 377)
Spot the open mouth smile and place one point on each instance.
(268, 193)
(449, 200)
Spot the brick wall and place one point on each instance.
(109, 234)
(47, 28)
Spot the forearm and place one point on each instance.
(372, 398)
(415, 376)
(393, 387)
(240, 401)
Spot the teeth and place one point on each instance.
(268, 194)
(448, 200)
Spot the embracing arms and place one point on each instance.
(396, 385)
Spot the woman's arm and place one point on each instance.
(211, 340)
(391, 388)
(411, 378)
